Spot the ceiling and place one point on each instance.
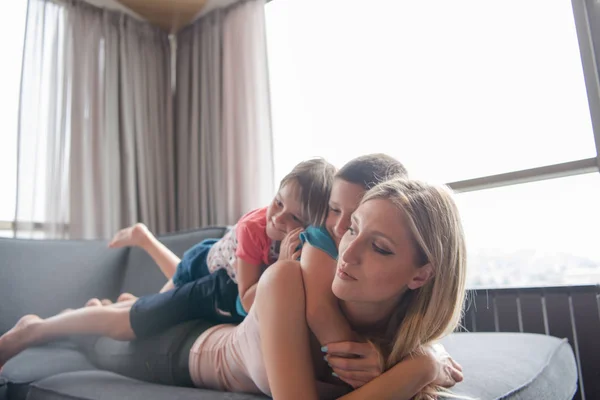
(170, 15)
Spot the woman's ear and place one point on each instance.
(421, 276)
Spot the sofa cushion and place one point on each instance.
(38, 363)
(143, 275)
(103, 385)
(3, 389)
(46, 276)
(513, 365)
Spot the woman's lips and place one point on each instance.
(344, 276)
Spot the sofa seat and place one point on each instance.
(38, 363)
(496, 366)
(103, 385)
(515, 366)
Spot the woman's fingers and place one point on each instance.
(456, 374)
(455, 364)
(353, 364)
(345, 349)
(297, 254)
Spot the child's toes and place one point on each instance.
(93, 303)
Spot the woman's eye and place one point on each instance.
(278, 203)
(381, 250)
(334, 210)
(351, 231)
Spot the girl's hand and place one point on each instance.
(288, 250)
(449, 372)
(355, 363)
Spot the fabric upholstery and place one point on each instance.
(496, 365)
(144, 277)
(102, 385)
(67, 272)
(514, 366)
(38, 363)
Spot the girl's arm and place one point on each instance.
(247, 279)
(323, 313)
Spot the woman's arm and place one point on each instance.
(325, 319)
(284, 335)
(403, 381)
(247, 278)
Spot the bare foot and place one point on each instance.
(106, 302)
(135, 235)
(126, 297)
(93, 303)
(18, 338)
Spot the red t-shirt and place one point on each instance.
(253, 244)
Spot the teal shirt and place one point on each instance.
(316, 236)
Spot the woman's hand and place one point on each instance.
(449, 372)
(355, 363)
(288, 250)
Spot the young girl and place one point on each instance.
(216, 279)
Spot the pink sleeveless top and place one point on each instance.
(229, 358)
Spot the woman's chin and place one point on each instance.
(340, 289)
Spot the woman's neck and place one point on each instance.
(369, 318)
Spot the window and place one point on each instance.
(12, 29)
(455, 90)
(535, 234)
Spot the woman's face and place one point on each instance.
(377, 256)
(345, 198)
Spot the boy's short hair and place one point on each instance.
(314, 178)
(371, 169)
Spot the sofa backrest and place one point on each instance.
(142, 275)
(46, 276)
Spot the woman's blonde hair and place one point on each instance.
(434, 310)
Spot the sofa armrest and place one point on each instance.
(46, 276)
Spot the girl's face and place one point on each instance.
(377, 260)
(284, 214)
(345, 198)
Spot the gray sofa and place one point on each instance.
(45, 277)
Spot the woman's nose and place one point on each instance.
(351, 252)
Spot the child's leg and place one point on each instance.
(168, 286)
(138, 235)
(31, 330)
(212, 298)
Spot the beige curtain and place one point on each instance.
(223, 123)
(102, 142)
(95, 136)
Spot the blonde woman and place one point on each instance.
(400, 283)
